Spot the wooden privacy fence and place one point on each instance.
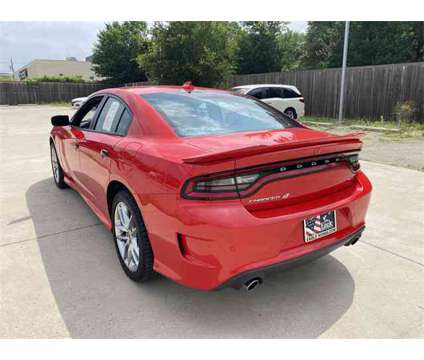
(371, 91)
(14, 93)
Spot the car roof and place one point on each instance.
(140, 90)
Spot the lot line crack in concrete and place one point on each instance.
(393, 253)
(51, 234)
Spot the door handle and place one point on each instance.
(104, 153)
(75, 144)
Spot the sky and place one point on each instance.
(25, 41)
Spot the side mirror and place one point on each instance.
(60, 120)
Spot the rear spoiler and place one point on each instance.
(354, 139)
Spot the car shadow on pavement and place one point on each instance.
(97, 300)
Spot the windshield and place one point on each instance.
(241, 91)
(208, 113)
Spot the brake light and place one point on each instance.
(188, 86)
(227, 187)
(302, 99)
(244, 182)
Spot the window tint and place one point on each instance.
(84, 117)
(109, 116)
(290, 94)
(124, 123)
(258, 93)
(275, 92)
(207, 113)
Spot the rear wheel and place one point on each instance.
(131, 240)
(57, 170)
(291, 113)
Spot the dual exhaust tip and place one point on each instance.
(353, 241)
(252, 284)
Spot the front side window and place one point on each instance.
(258, 93)
(85, 116)
(109, 116)
(207, 113)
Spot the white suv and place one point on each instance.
(77, 102)
(285, 98)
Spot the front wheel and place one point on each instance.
(131, 240)
(57, 170)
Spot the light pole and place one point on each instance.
(342, 84)
(12, 68)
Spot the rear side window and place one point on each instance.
(290, 94)
(124, 122)
(109, 116)
(207, 113)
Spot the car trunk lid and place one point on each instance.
(291, 166)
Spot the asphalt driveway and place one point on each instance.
(60, 277)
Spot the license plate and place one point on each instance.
(318, 226)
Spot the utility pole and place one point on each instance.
(342, 85)
(12, 68)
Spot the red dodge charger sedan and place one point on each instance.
(208, 187)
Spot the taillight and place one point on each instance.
(244, 182)
(212, 187)
(302, 99)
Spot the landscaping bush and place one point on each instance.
(67, 79)
(404, 111)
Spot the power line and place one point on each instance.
(16, 62)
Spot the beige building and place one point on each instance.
(39, 67)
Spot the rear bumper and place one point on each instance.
(204, 244)
(239, 280)
(301, 111)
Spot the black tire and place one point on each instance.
(291, 113)
(144, 270)
(59, 176)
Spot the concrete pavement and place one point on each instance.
(60, 277)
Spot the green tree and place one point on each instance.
(257, 48)
(373, 43)
(198, 51)
(291, 48)
(116, 50)
(370, 43)
(322, 41)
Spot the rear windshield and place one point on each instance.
(207, 113)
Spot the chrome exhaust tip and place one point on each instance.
(353, 241)
(252, 284)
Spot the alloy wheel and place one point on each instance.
(290, 114)
(55, 164)
(126, 236)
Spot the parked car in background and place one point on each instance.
(208, 187)
(77, 102)
(285, 98)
